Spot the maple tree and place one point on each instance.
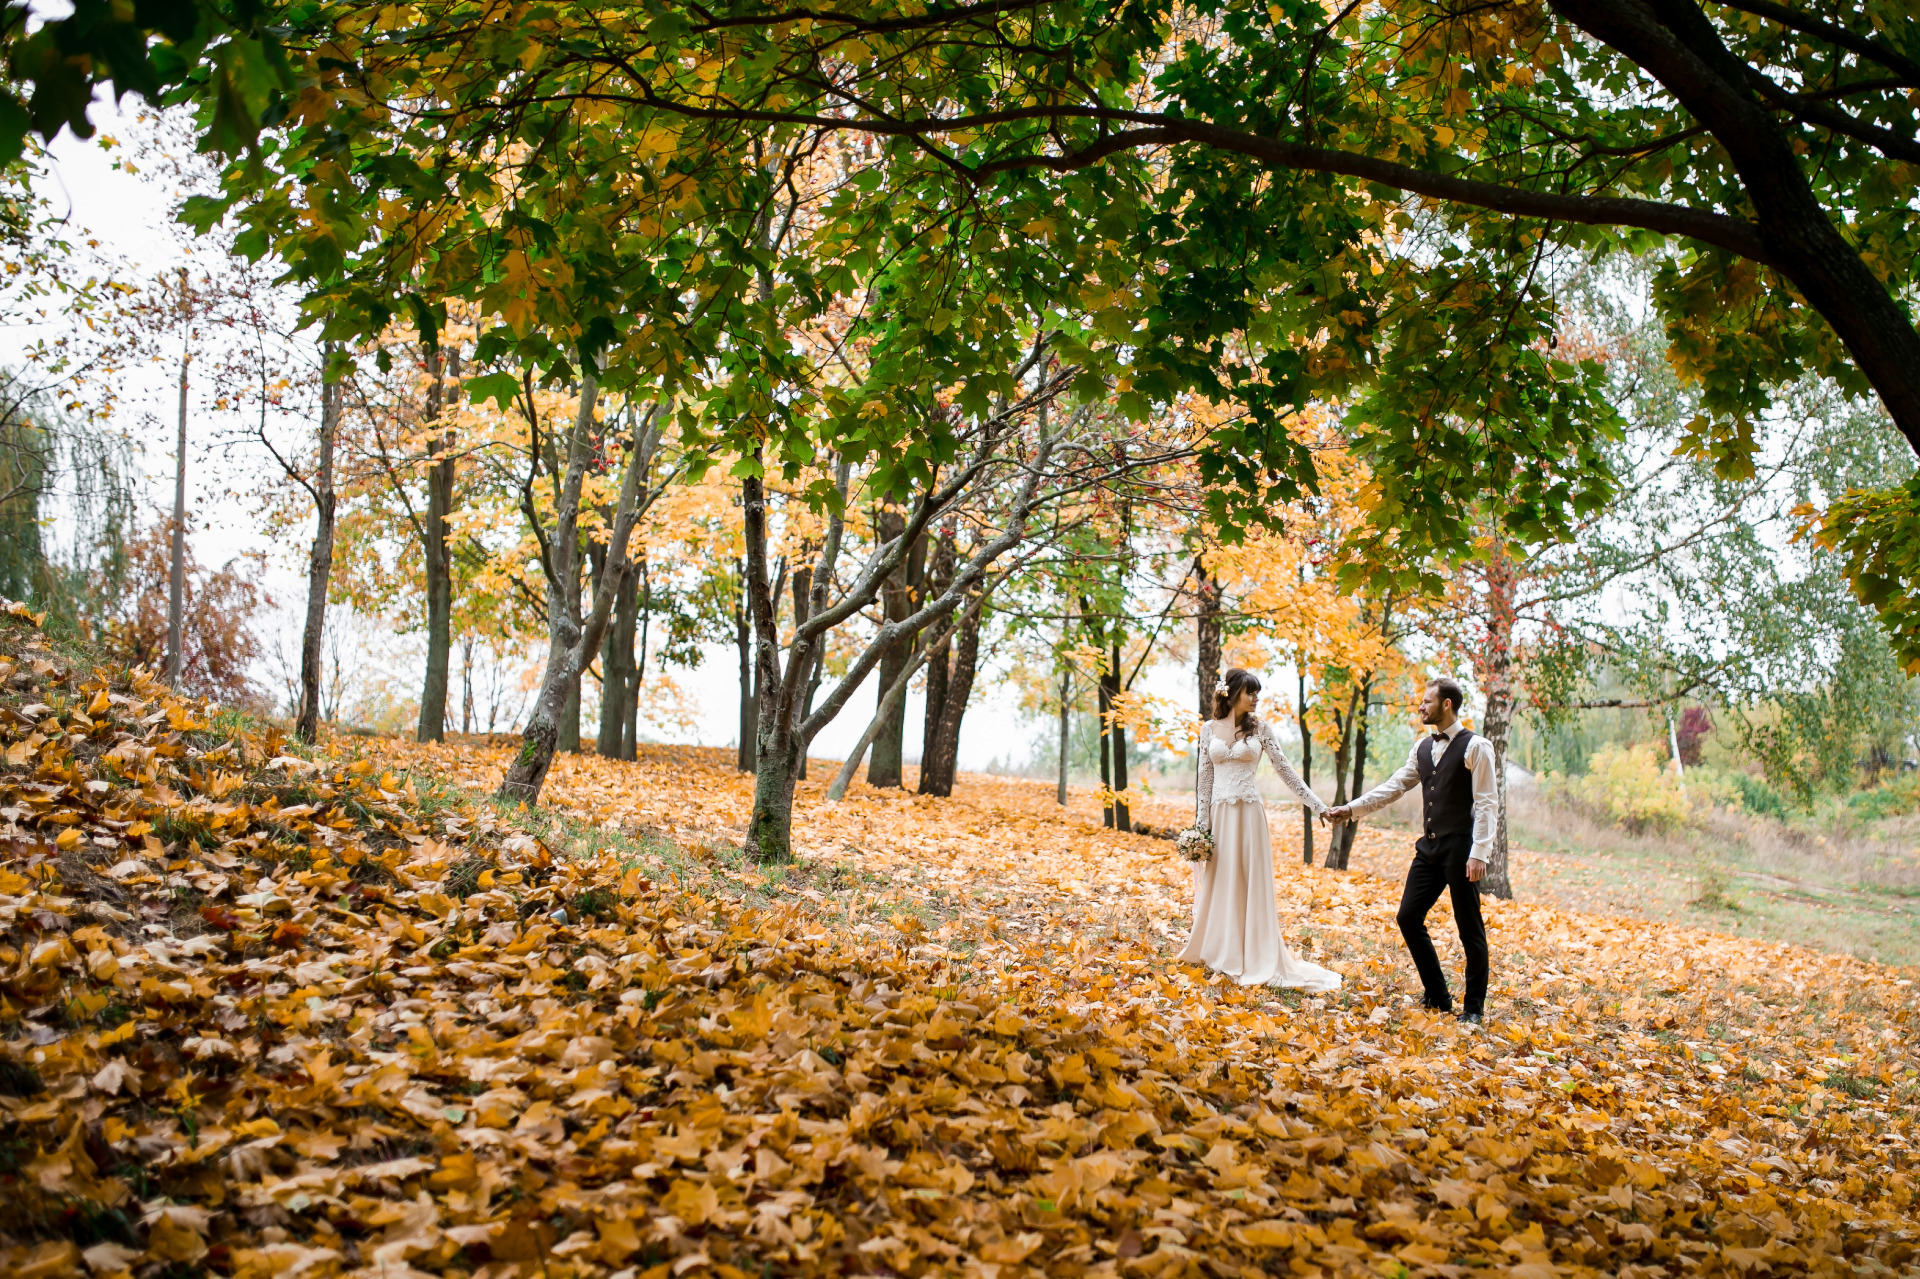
(1280, 592)
(1748, 170)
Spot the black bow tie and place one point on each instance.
(1441, 737)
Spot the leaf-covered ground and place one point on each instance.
(270, 1016)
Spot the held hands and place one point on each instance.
(1337, 816)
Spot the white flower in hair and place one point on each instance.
(1220, 687)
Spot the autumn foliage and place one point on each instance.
(270, 1015)
(219, 610)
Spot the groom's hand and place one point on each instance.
(1338, 816)
(1476, 870)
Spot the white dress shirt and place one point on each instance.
(1486, 790)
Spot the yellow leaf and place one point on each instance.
(1265, 1234)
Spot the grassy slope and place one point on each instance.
(950, 1040)
(1834, 889)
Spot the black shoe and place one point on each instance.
(1472, 1019)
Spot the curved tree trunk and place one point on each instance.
(783, 731)
(572, 638)
(544, 734)
(1675, 43)
(889, 695)
(569, 739)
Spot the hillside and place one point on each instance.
(271, 1015)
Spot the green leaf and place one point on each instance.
(502, 388)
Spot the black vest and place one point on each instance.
(1446, 787)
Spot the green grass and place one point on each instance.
(1757, 879)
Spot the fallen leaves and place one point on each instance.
(274, 1020)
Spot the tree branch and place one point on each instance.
(1865, 46)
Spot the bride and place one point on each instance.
(1236, 924)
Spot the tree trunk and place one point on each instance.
(1122, 817)
(569, 732)
(782, 730)
(939, 677)
(1342, 753)
(1066, 730)
(770, 828)
(1102, 710)
(1342, 838)
(806, 707)
(887, 696)
(571, 638)
(558, 700)
(802, 596)
(939, 669)
(1208, 629)
(319, 568)
(630, 727)
(616, 671)
(776, 751)
(177, 562)
(899, 598)
(938, 771)
(749, 696)
(1306, 763)
(466, 685)
(439, 560)
(1495, 671)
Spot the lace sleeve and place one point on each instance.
(1203, 782)
(1304, 793)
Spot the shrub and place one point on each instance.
(1760, 799)
(1632, 785)
(1895, 798)
(1695, 723)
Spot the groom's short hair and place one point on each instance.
(1450, 691)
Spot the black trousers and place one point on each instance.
(1441, 862)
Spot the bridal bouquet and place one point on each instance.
(1195, 844)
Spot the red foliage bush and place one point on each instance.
(219, 609)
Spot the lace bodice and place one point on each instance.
(1227, 771)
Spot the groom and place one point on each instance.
(1454, 769)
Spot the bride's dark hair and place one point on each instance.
(1237, 681)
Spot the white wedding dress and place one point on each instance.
(1236, 923)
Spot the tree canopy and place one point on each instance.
(1273, 205)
